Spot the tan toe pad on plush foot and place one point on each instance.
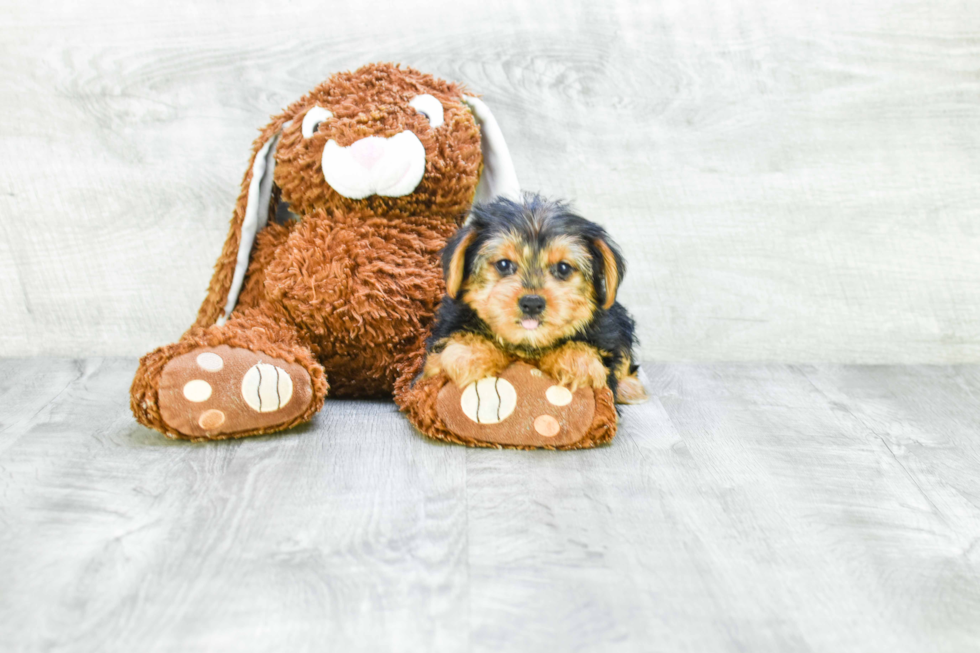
(227, 390)
(521, 407)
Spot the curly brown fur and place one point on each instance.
(371, 101)
(345, 287)
(540, 282)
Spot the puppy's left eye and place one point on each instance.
(562, 270)
(429, 107)
(505, 267)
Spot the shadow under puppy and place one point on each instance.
(533, 281)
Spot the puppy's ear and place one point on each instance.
(454, 259)
(609, 274)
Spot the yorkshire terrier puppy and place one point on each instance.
(533, 281)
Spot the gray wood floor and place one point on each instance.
(745, 508)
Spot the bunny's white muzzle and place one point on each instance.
(391, 167)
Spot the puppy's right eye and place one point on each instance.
(505, 267)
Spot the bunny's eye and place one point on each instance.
(312, 120)
(429, 107)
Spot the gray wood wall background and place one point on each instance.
(790, 179)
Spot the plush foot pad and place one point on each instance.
(522, 407)
(219, 391)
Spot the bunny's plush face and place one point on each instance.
(383, 144)
(383, 137)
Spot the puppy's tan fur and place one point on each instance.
(466, 358)
(575, 365)
(570, 304)
(494, 297)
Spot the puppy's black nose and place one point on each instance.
(531, 304)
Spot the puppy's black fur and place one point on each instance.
(612, 331)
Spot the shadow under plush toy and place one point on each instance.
(330, 271)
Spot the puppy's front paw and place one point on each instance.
(467, 359)
(575, 365)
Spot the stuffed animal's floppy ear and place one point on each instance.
(499, 178)
(609, 275)
(256, 217)
(251, 214)
(454, 260)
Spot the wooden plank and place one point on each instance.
(745, 507)
(115, 538)
(791, 180)
(818, 524)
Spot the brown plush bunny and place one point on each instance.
(330, 273)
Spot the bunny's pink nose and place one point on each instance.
(368, 151)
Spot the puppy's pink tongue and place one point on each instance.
(530, 324)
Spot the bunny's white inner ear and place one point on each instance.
(499, 179)
(256, 217)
